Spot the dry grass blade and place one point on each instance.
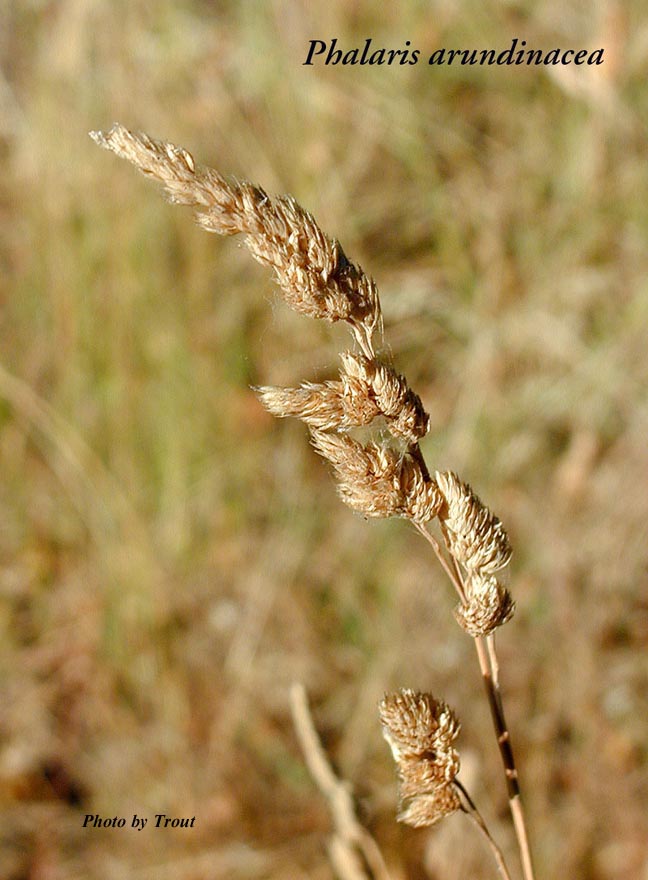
(353, 850)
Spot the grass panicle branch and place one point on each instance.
(366, 389)
(469, 808)
(380, 478)
(311, 269)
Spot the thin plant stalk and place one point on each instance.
(475, 816)
(456, 582)
(506, 753)
(516, 807)
(489, 667)
(350, 839)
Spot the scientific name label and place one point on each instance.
(322, 52)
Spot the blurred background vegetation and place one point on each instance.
(173, 558)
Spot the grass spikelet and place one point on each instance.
(428, 809)
(476, 537)
(415, 722)
(488, 606)
(377, 480)
(325, 406)
(420, 731)
(366, 389)
(368, 476)
(395, 400)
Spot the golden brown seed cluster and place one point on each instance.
(477, 540)
(316, 278)
(420, 732)
(476, 536)
(488, 606)
(377, 479)
(311, 269)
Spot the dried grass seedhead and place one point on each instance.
(420, 731)
(488, 605)
(395, 400)
(317, 279)
(415, 723)
(366, 389)
(427, 809)
(377, 480)
(326, 406)
(476, 538)
(311, 269)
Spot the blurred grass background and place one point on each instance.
(172, 558)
